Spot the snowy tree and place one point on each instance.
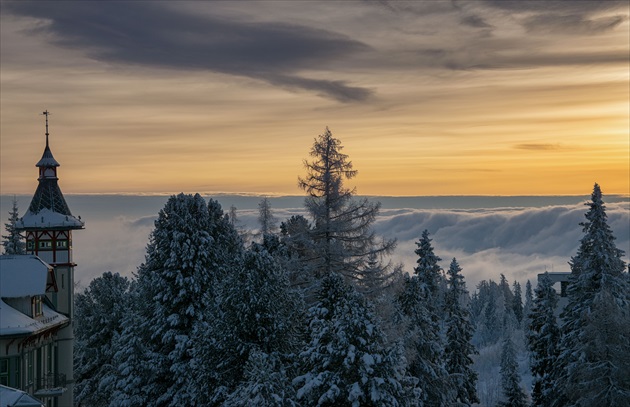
(459, 332)
(99, 313)
(13, 241)
(428, 270)
(256, 312)
(517, 302)
(529, 299)
(513, 393)
(342, 232)
(346, 362)
(542, 339)
(265, 217)
(593, 363)
(189, 243)
(425, 348)
(266, 383)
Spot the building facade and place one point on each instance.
(48, 225)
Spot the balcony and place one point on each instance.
(50, 385)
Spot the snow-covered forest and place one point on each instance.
(314, 311)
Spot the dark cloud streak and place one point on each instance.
(148, 34)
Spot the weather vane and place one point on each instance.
(46, 113)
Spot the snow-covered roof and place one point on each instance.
(48, 219)
(22, 276)
(47, 159)
(15, 323)
(11, 397)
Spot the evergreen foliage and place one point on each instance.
(257, 319)
(459, 332)
(346, 362)
(342, 233)
(517, 302)
(593, 362)
(513, 393)
(186, 250)
(13, 241)
(265, 217)
(99, 312)
(542, 338)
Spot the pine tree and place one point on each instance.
(99, 313)
(459, 332)
(419, 305)
(13, 241)
(513, 393)
(542, 339)
(265, 217)
(347, 362)
(517, 302)
(428, 270)
(529, 299)
(190, 242)
(256, 312)
(342, 231)
(593, 364)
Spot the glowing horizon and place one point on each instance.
(488, 99)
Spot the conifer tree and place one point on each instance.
(342, 231)
(593, 363)
(513, 393)
(459, 332)
(13, 241)
(265, 217)
(258, 319)
(517, 302)
(189, 244)
(428, 270)
(347, 362)
(99, 313)
(542, 339)
(529, 299)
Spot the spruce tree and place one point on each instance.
(99, 313)
(187, 249)
(529, 300)
(13, 241)
(257, 319)
(347, 362)
(459, 332)
(593, 363)
(342, 233)
(513, 393)
(542, 339)
(421, 303)
(517, 302)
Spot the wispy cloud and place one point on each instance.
(538, 147)
(151, 35)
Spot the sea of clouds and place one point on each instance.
(518, 241)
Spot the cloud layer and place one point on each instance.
(519, 242)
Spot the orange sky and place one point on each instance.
(428, 98)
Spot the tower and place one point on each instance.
(48, 225)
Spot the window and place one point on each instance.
(4, 372)
(45, 244)
(30, 245)
(36, 303)
(29, 367)
(62, 244)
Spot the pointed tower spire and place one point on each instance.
(47, 164)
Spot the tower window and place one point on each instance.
(62, 244)
(45, 244)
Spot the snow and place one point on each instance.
(22, 276)
(11, 397)
(46, 218)
(13, 322)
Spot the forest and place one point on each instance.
(313, 311)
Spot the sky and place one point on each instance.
(428, 97)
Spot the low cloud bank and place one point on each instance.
(518, 242)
